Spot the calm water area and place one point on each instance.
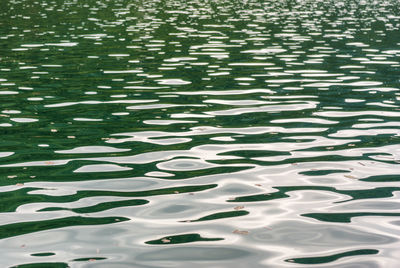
(218, 133)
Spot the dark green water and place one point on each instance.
(199, 133)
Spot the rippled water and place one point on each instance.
(199, 133)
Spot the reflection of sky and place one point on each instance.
(198, 133)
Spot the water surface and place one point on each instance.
(199, 133)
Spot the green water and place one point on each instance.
(199, 133)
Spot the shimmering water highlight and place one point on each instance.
(199, 133)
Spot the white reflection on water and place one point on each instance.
(205, 134)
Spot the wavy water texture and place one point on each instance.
(199, 133)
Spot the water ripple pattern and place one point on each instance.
(199, 133)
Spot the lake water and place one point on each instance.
(199, 133)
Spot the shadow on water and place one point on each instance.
(21, 228)
(331, 258)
